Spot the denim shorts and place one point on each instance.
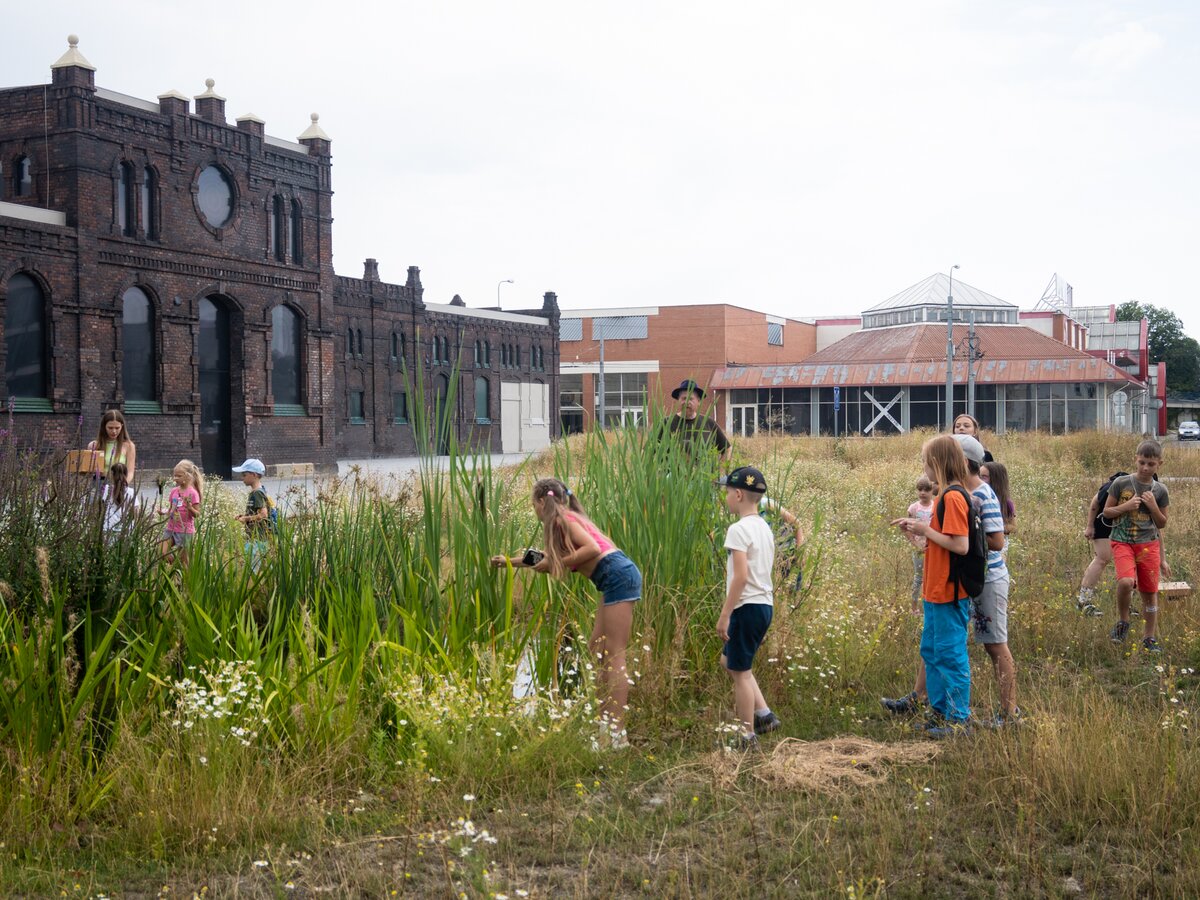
(179, 538)
(617, 578)
(748, 626)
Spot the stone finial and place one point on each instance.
(314, 132)
(370, 269)
(457, 301)
(73, 57)
(209, 93)
(550, 303)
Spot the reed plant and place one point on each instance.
(375, 671)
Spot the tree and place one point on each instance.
(1165, 328)
(1168, 343)
(1183, 366)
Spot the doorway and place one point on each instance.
(216, 427)
(744, 419)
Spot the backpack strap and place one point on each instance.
(954, 579)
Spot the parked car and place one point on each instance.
(1189, 431)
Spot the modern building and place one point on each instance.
(889, 374)
(645, 352)
(158, 259)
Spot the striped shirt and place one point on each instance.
(993, 521)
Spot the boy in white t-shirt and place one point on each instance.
(746, 613)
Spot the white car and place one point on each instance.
(1189, 431)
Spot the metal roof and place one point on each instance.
(916, 354)
(933, 291)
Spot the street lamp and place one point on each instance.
(950, 353)
(498, 283)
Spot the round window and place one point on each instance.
(215, 197)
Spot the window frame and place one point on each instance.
(481, 381)
(150, 402)
(294, 403)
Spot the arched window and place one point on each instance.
(285, 356)
(278, 229)
(518, 356)
(487, 354)
(478, 354)
(22, 177)
(137, 345)
(482, 401)
(349, 342)
(395, 346)
(360, 343)
(296, 231)
(125, 201)
(148, 219)
(24, 338)
(504, 356)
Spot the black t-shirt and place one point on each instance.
(701, 431)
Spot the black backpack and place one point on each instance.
(969, 570)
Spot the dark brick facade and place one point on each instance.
(88, 151)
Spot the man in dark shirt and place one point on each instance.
(696, 431)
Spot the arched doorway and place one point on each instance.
(443, 417)
(216, 412)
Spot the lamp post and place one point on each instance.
(498, 283)
(950, 353)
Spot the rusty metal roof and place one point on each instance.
(916, 354)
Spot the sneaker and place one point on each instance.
(1151, 645)
(1004, 720)
(766, 724)
(901, 706)
(1119, 633)
(1089, 609)
(746, 743)
(948, 730)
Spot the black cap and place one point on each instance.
(687, 385)
(747, 478)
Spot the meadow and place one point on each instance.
(343, 721)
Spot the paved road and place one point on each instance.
(396, 466)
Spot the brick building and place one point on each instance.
(648, 351)
(157, 259)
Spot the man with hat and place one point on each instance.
(694, 430)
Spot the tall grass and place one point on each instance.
(375, 649)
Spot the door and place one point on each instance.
(510, 417)
(744, 418)
(216, 429)
(443, 416)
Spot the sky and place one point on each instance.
(800, 158)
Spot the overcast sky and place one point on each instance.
(799, 158)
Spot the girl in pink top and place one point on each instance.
(574, 544)
(183, 505)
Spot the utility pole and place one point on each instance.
(950, 353)
(598, 325)
(971, 347)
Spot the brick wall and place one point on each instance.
(78, 140)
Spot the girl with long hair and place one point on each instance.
(946, 606)
(114, 444)
(183, 506)
(573, 543)
(118, 497)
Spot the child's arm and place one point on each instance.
(1114, 510)
(741, 573)
(586, 549)
(517, 562)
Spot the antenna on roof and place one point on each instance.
(1058, 296)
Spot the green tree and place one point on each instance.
(1165, 328)
(1183, 366)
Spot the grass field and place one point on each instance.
(343, 723)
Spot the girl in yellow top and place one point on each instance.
(114, 443)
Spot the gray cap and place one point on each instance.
(971, 448)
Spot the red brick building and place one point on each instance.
(157, 259)
(648, 351)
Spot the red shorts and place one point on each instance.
(1140, 561)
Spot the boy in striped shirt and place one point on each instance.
(991, 606)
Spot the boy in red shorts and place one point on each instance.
(1137, 509)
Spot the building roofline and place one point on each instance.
(491, 314)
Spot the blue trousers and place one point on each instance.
(944, 650)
